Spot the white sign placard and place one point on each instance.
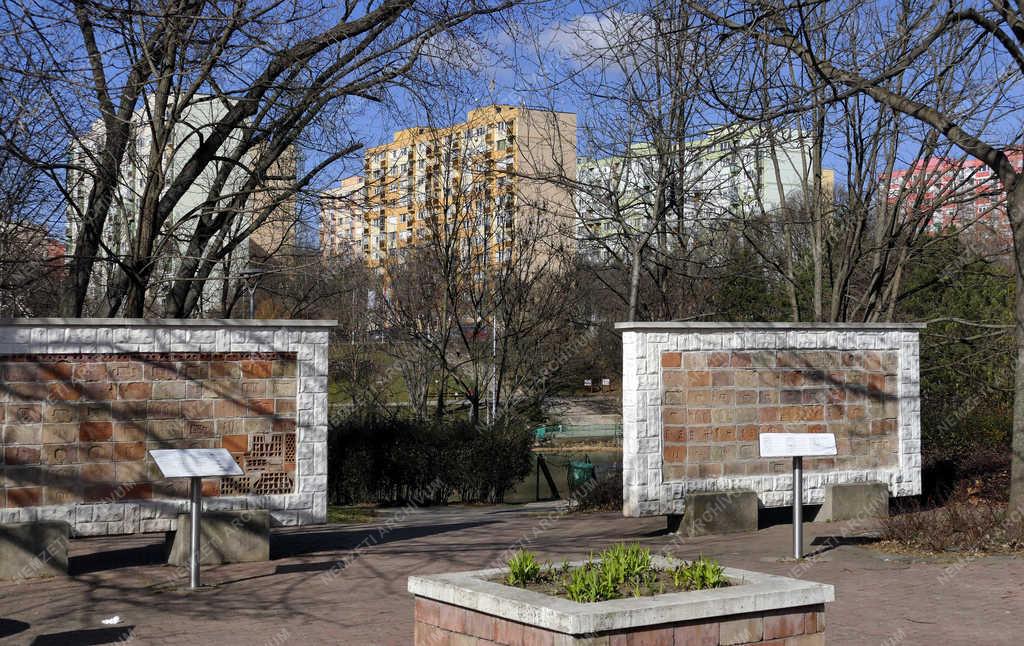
(195, 463)
(789, 445)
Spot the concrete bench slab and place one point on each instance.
(33, 550)
(224, 537)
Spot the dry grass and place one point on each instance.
(961, 526)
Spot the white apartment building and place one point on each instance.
(344, 230)
(728, 174)
(122, 222)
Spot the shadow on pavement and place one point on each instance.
(10, 627)
(155, 554)
(92, 637)
(327, 540)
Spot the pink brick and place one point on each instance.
(783, 625)
(508, 632)
(428, 611)
(452, 618)
(705, 634)
(427, 635)
(480, 625)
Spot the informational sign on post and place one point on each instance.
(797, 446)
(195, 464)
(791, 445)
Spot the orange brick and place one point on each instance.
(135, 390)
(675, 453)
(746, 433)
(128, 451)
(698, 378)
(671, 359)
(95, 431)
(91, 372)
(675, 434)
(673, 416)
(24, 496)
(197, 409)
(163, 410)
(16, 455)
(62, 392)
(235, 443)
(256, 369)
(718, 359)
(97, 473)
(260, 406)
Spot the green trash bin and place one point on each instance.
(580, 472)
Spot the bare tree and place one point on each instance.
(897, 68)
(269, 79)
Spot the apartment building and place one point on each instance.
(954, 193)
(483, 182)
(729, 173)
(343, 223)
(275, 236)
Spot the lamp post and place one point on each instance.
(251, 276)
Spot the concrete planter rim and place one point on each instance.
(757, 592)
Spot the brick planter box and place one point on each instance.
(468, 608)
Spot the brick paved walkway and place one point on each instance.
(305, 597)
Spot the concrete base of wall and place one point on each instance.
(33, 550)
(224, 537)
(854, 502)
(725, 512)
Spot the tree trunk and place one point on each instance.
(1015, 208)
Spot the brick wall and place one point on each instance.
(79, 427)
(716, 404)
(696, 396)
(442, 624)
(83, 403)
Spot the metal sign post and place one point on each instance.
(197, 513)
(798, 507)
(797, 446)
(195, 464)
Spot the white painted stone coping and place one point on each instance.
(653, 326)
(121, 322)
(749, 592)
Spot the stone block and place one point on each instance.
(33, 550)
(854, 501)
(724, 512)
(224, 537)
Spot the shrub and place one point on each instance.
(602, 494)
(390, 459)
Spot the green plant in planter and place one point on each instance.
(523, 569)
(701, 574)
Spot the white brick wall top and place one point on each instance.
(164, 323)
(654, 326)
(307, 339)
(646, 493)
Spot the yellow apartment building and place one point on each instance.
(498, 175)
